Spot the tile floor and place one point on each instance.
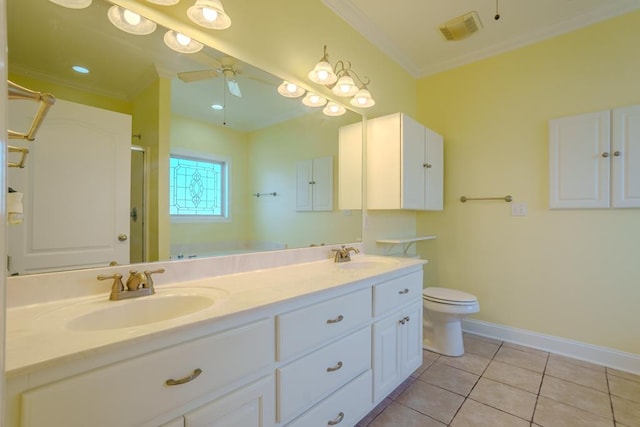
(499, 384)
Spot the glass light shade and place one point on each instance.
(130, 22)
(345, 86)
(181, 43)
(332, 109)
(363, 99)
(322, 74)
(290, 90)
(209, 14)
(164, 2)
(313, 100)
(72, 4)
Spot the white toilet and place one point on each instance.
(443, 311)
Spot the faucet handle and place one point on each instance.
(117, 286)
(149, 281)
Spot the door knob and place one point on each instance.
(122, 237)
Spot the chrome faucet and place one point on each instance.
(138, 284)
(344, 254)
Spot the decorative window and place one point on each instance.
(198, 187)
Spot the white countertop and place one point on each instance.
(39, 335)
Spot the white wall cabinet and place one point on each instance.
(314, 184)
(594, 160)
(405, 164)
(350, 167)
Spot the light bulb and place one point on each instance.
(182, 39)
(209, 14)
(131, 18)
(291, 88)
(314, 99)
(322, 75)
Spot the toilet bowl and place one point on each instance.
(443, 311)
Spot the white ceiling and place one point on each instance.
(407, 30)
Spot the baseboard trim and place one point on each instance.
(605, 356)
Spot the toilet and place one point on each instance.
(443, 311)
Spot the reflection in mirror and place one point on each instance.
(87, 204)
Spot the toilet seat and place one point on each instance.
(448, 296)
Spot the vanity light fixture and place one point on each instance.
(72, 4)
(313, 100)
(209, 14)
(130, 22)
(181, 43)
(332, 109)
(340, 79)
(290, 90)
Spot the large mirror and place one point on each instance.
(267, 143)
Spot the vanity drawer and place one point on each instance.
(311, 378)
(397, 292)
(134, 391)
(309, 326)
(345, 407)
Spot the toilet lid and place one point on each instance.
(448, 295)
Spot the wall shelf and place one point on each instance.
(406, 243)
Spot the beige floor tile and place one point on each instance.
(522, 359)
(479, 346)
(449, 378)
(623, 374)
(397, 415)
(468, 362)
(582, 397)
(428, 357)
(431, 400)
(577, 362)
(535, 351)
(626, 412)
(475, 414)
(504, 397)
(624, 388)
(577, 374)
(550, 413)
(514, 376)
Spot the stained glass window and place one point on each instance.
(197, 187)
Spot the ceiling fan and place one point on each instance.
(227, 68)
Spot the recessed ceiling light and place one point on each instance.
(217, 107)
(80, 69)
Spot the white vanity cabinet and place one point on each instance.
(314, 184)
(594, 160)
(397, 336)
(405, 164)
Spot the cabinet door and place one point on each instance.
(304, 185)
(350, 167)
(387, 370)
(411, 339)
(323, 184)
(413, 164)
(434, 171)
(250, 406)
(625, 151)
(579, 161)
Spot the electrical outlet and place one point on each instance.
(518, 209)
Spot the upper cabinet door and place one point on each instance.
(314, 184)
(413, 164)
(579, 161)
(625, 157)
(434, 171)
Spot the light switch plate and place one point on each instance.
(518, 209)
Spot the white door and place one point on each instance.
(579, 161)
(434, 171)
(387, 369)
(625, 157)
(76, 189)
(323, 184)
(304, 183)
(412, 339)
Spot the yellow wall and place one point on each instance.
(568, 273)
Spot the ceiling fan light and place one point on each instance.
(345, 86)
(130, 22)
(363, 99)
(313, 100)
(181, 43)
(164, 2)
(72, 4)
(322, 74)
(209, 14)
(290, 90)
(332, 109)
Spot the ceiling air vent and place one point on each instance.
(461, 27)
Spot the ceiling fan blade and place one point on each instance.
(234, 88)
(194, 76)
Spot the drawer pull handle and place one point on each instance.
(335, 368)
(337, 420)
(340, 318)
(404, 291)
(185, 380)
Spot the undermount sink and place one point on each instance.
(97, 315)
(366, 263)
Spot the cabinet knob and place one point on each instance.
(404, 291)
(605, 154)
(426, 165)
(402, 321)
(617, 153)
(336, 420)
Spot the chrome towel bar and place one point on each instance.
(506, 198)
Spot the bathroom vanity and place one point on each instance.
(312, 343)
